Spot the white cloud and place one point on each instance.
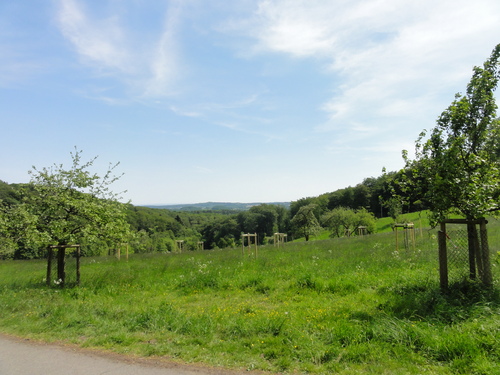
(99, 42)
(164, 64)
(111, 46)
(312, 28)
(393, 65)
(292, 27)
(387, 58)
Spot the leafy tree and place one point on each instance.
(7, 243)
(20, 238)
(153, 220)
(141, 242)
(364, 218)
(261, 219)
(305, 222)
(266, 220)
(361, 196)
(74, 205)
(456, 170)
(320, 205)
(382, 190)
(221, 233)
(248, 221)
(340, 220)
(341, 198)
(394, 207)
(283, 219)
(343, 220)
(8, 194)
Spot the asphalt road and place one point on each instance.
(24, 357)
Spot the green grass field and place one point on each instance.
(347, 306)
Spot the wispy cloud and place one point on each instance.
(385, 56)
(110, 47)
(164, 65)
(101, 43)
(240, 115)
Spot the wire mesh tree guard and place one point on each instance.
(72, 260)
(464, 252)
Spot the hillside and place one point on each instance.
(214, 206)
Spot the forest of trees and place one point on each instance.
(156, 230)
(455, 171)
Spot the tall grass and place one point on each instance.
(349, 305)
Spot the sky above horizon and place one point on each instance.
(233, 101)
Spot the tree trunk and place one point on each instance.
(61, 273)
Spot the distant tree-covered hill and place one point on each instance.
(215, 206)
(159, 228)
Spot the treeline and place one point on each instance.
(455, 171)
(157, 230)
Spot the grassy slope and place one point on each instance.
(384, 225)
(332, 306)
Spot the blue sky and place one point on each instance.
(237, 101)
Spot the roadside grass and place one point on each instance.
(347, 306)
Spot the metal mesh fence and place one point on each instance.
(485, 260)
(458, 255)
(468, 255)
(63, 266)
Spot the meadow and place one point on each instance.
(347, 306)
